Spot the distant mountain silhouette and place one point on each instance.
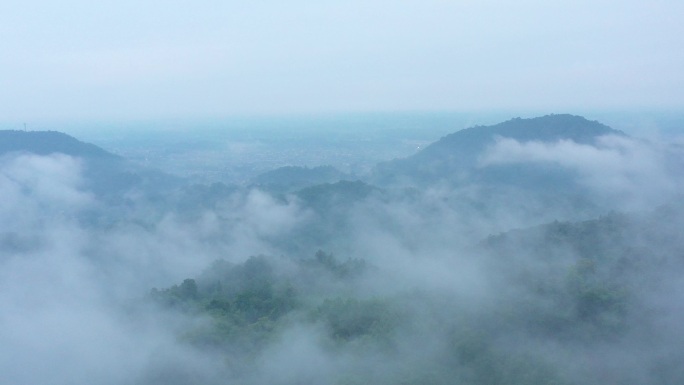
(49, 142)
(106, 174)
(455, 157)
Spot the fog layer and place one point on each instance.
(434, 284)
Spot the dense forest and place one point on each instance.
(564, 292)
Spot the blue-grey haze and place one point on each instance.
(77, 60)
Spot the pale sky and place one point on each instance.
(80, 60)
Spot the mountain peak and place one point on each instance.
(458, 153)
(546, 128)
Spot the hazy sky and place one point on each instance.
(117, 60)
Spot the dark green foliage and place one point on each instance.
(188, 289)
(263, 301)
(226, 279)
(347, 269)
(597, 302)
(567, 288)
(182, 296)
(590, 290)
(579, 308)
(482, 362)
(248, 302)
(349, 319)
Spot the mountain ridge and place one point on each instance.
(49, 142)
(107, 174)
(456, 155)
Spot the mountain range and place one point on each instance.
(454, 159)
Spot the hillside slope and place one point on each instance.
(49, 142)
(455, 157)
(106, 174)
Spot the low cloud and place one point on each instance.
(72, 293)
(630, 172)
(70, 289)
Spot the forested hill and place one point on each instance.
(457, 154)
(546, 128)
(49, 142)
(560, 292)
